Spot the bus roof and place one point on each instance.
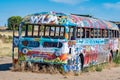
(55, 18)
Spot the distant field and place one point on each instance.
(5, 48)
(6, 33)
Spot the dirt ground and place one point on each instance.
(7, 74)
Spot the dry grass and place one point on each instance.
(7, 33)
(5, 48)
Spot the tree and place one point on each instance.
(14, 21)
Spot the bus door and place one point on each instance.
(72, 41)
(15, 43)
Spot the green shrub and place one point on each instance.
(76, 74)
(86, 69)
(98, 68)
(116, 59)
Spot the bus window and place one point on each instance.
(52, 29)
(117, 34)
(36, 30)
(95, 33)
(83, 32)
(23, 31)
(70, 33)
(57, 31)
(87, 33)
(92, 33)
(99, 33)
(33, 30)
(110, 34)
(114, 34)
(61, 31)
(28, 30)
(106, 33)
(40, 30)
(44, 31)
(47, 30)
(102, 33)
(78, 32)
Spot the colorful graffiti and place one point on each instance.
(93, 41)
(91, 48)
(68, 20)
(33, 52)
(48, 18)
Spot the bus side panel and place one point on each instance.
(94, 50)
(32, 50)
(114, 44)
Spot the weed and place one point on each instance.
(98, 68)
(86, 69)
(76, 74)
(116, 59)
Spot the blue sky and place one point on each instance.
(102, 9)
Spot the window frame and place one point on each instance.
(42, 30)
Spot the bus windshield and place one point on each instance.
(47, 31)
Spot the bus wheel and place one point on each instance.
(117, 52)
(110, 58)
(81, 61)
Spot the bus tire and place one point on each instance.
(117, 52)
(111, 52)
(110, 56)
(82, 60)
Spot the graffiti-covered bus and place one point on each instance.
(69, 40)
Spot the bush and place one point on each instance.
(98, 68)
(85, 70)
(116, 59)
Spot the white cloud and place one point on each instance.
(112, 5)
(69, 1)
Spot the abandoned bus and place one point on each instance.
(72, 41)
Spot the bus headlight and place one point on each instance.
(24, 50)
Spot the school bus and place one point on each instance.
(69, 40)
